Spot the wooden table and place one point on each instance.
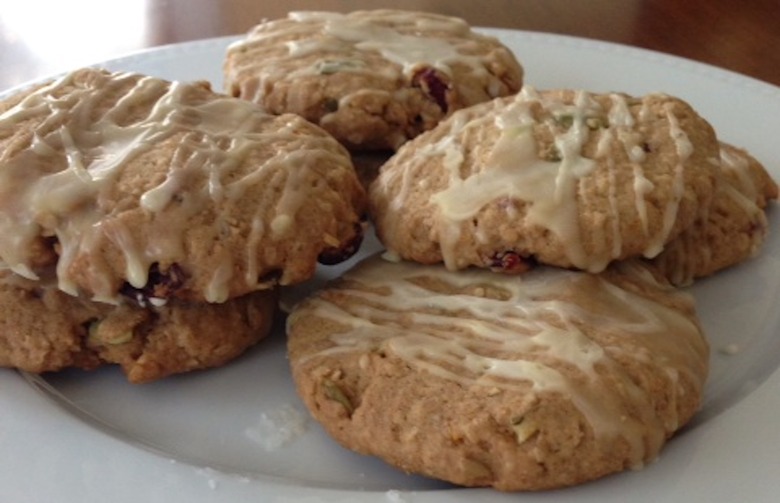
(39, 37)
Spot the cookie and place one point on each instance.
(536, 381)
(562, 177)
(373, 79)
(730, 230)
(43, 329)
(129, 184)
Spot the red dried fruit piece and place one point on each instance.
(510, 262)
(160, 286)
(433, 85)
(337, 254)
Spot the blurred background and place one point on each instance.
(42, 37)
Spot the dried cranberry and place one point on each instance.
(160, 286)
(510, 262)
(433, 85)
(271, 277)
(337, 254)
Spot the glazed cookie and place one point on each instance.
(543, 380)
(730, 230)
(563, 177)
(129, 184)
(43, 329)
(373, 79)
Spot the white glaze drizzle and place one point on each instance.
(684, 149)
(513, 169)
(529, 338)
(336, 42)
(337, 34)
(408, 51)
(736, 164)
(62, 183)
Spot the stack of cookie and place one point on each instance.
(147, 223)
(523, 329)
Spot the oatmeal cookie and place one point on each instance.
(43, 329)
(528, 382)
(562, 177)
(374, 78)
(129, 184)
(731, 229)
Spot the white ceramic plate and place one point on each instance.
(78, 437)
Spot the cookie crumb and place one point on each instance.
(730, 349)
(394, 496)
(278, 427)
(210, 475)
(391, 256)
